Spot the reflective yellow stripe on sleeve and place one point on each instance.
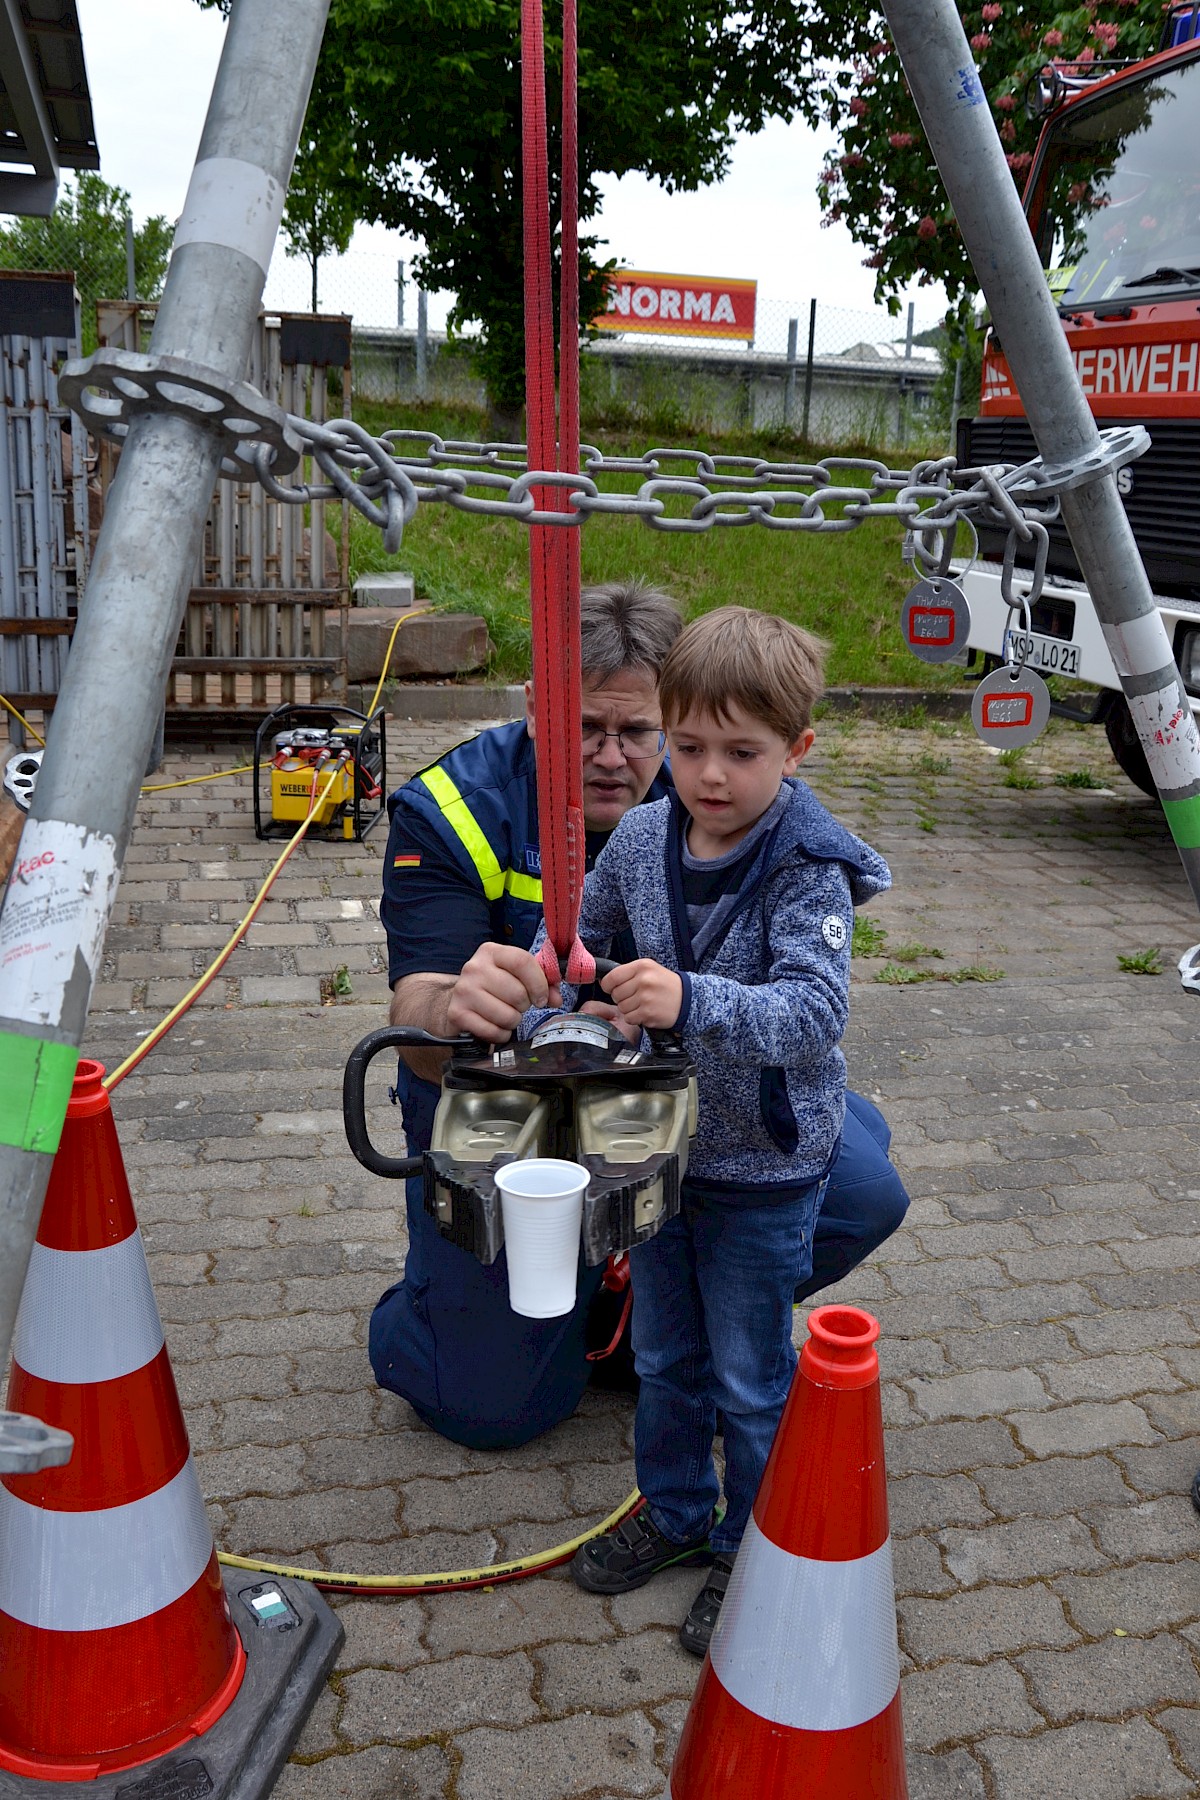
(524, 887)
(466, 828)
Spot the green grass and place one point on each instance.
(1078, 778)
(337, 986)
(868, 937)
(895, 974)
(911, 953)
(1014, 775)
(847, 587)
(1141, 962)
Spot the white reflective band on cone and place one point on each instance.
(89, 1571)
(808, 1644)
(87, 1315)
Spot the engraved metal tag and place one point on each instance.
(935, 620)
(1010, 707)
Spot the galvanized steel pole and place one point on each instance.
(65, 876)
(950, 99)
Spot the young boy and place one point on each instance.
(739, 889)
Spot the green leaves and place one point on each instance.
(427, 99)
(882, 181)
(86, 234)
(322, 203)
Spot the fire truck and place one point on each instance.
(1113, 202)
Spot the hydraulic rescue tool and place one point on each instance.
(576, 1089)
(298, 744)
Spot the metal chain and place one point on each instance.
(388, 477)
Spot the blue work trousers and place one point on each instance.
(712, 1328)
(446, 1339)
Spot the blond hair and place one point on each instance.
(767, 667)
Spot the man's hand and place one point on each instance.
(646, 993)
(494, 990)
(601, 1009)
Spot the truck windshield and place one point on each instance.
(1116, 207)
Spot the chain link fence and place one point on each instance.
(814, 372)
(92, 237)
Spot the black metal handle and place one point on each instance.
(354, 1093)
(662, 1039)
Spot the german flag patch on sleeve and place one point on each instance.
(406, 861)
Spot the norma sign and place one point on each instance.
(679, 305)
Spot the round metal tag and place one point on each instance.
(1010, 707)
(936, 619)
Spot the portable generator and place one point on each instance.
(577, 1090)
(331, 751)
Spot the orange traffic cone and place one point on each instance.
(116, 1641)
(120, 1643)
(800, 1690)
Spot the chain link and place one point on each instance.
(388, 477)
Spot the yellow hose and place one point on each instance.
(22, 720)
(214, 968)
(160, 787)
(419, 613)
(448, 1578)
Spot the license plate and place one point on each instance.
(1050, 655)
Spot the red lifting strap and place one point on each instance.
(554, 550)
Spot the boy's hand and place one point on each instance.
(646, 993)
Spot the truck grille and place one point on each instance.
(1163, 506)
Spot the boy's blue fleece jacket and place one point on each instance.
(764, 1011)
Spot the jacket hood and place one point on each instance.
(810, 829)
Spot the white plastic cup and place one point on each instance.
(541, 1202)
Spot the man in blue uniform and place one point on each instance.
(461, 904)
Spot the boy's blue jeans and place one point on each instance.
(712, 1327)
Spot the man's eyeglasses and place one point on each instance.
(637, 742)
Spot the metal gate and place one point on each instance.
(43, 489)
(254, 632)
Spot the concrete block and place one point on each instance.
(385, 587)
(437, 644)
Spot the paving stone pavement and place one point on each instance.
(1040, 1310)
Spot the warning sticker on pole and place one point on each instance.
(56, 908)
(1166, 726)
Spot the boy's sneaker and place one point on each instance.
(628, 1557)
(695, 1634)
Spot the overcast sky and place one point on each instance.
(150, 69)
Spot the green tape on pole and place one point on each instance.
(35, 1085)
(1183, 816)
